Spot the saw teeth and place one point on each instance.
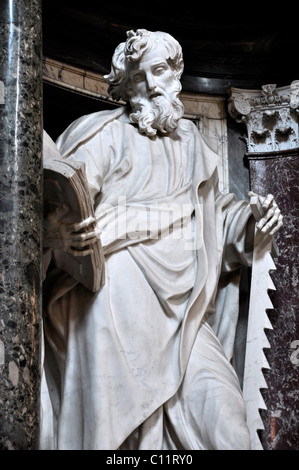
(258, 322)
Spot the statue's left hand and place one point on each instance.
(272, 219)
(73, 238)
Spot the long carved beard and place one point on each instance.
(160, 112)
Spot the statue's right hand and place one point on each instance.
(74, 238)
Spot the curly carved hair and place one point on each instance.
(137, 44)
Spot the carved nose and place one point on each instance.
(150, 82)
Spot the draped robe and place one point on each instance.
(116, 358)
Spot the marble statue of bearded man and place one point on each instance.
(136, 365)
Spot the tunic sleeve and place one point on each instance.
(237, 232)
(237, 240)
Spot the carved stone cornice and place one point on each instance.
(271, 116)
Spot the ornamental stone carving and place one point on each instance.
(270, 115)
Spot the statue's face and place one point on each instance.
(152, 76)
(153, 89)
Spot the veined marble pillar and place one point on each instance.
(271, 116)
(20, 222)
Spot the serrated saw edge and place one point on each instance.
(258, 322)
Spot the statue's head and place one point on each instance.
(145, 73)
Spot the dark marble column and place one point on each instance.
(20, 222)
(278, 173)
(271, 117)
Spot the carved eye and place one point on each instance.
(138, 77)
(160, 69)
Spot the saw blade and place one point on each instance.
(258, 322)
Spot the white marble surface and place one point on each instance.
(141, 347)
(255, 360)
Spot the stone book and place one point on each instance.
(65, 183)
